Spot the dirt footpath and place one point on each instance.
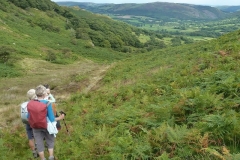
(63, 79)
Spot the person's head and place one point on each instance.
(41, 91)
(31, 94)
(46, 86)
(48, 91)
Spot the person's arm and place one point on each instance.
(50, 113)
(51, 116)
(61, 116)
(52, 99)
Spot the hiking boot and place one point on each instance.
(51, 158)
(35, 154)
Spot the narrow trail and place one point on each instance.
(72, 87)
(84, 86)
(62, 79)
(97, 77)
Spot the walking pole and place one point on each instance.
(66, 127)
(61, 112)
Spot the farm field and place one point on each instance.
(197, 30)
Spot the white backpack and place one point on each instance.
(24, 112)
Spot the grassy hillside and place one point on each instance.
(44, 30)
(180, 103)
(173, 103)
(176, 103)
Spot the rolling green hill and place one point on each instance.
(186, 23)
(173, 103)
(160, 10)
(229, 8)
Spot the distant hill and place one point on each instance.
(229, 9)
(159, 10)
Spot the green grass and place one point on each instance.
(153, 101)
(215, 26)
(175, 103)
(144, 38)
(21, 37)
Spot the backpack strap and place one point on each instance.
(48, 103)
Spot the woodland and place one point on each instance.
(129, 93)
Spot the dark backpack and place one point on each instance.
(37, 114)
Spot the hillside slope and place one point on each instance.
(172, 103)
(180, 102)
(49, 32)
(176, 103)
(44, 30)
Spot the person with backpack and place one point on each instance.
(39, 111)
(31, 95)
(49, 95)
(51, 99)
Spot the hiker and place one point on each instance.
(49, 95)
(50, 98)
(31, 95)
(38, 112)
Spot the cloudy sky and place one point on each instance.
(202, 2)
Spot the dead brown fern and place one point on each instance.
(222, 53)
(205, 140)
